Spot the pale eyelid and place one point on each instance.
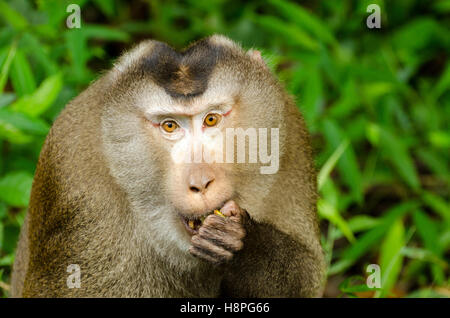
(157, 119)
(163, 118)
(158, 115)
(218, 108)
(168, 120)
(222, 111)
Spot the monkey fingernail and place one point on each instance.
(231, 208)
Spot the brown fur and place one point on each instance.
(82, 213)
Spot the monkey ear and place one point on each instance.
(256, 55)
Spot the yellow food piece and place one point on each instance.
(191, 224)
(217, 212)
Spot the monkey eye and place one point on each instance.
(212, 119)
(169, 126)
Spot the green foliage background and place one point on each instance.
(376, 101)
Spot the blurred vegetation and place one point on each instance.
(376, 101)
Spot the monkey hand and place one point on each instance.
(220, 237)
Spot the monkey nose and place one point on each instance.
(200, 178)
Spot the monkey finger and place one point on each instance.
(209, 247)
(228, 227)
(241, 218)
(207, 250)
(202, 255)
(229, 242)
(214, 221)
(231, 208)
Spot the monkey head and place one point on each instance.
(165, 131)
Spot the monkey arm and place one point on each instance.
(273, 264)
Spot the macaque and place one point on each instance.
(120, 191)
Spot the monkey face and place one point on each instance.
(166, 130)
(198, 181)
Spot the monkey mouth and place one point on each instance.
(193, 223)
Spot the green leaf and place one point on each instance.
(348, 101)
(22, 122)
(331, 162)
(7, 260)
(21, 75)
(435, 162)
(79, 54)
(2, 231)
(347, 165)
(304, 19)
(330, 193)
(15, 188)
(438, 204)
(415, 35)
(289, 32)
(3, 211)
(42, 53)
(397, 153)
(444, 239)
(107, 7)
(348, 285)
(11, 133)
(371, 238)
(312, 97)
(104, 33)
(429, 233)
(357, 224)
(38, 102)
(439, 139)
(15, 19)
(443, 85)
(423, 255)
(6, 99)
(442, 6)
(6, 65)
(373, 91)
(328, 211)
(390, 257)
